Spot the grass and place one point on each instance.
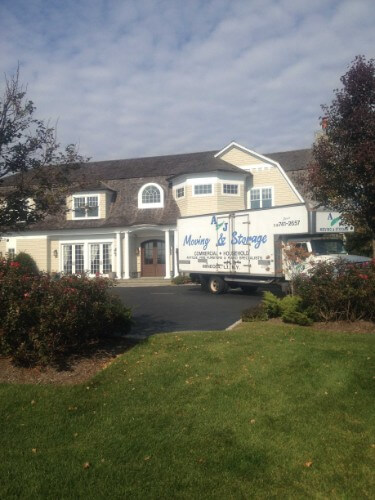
(236, 414)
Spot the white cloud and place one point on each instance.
(138, 78)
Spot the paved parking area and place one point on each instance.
(185, 307)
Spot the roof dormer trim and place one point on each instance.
(234, 144)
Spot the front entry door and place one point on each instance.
(153, 258)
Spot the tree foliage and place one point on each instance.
(342, 174)
(34, 170)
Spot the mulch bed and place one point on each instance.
(338, 326)
(76, 370)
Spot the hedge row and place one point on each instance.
(43, 319)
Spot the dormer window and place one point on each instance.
(151, 196)
(86, 207)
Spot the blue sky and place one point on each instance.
(140, 78)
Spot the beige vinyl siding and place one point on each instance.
(196, 205)
(3, 248)
(54, 261)
(37, 248)
(239, 158)
(182, 203)
(103, 205)
(228, 202)
(217, 202)
(283, 193)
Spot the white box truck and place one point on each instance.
(245, 248)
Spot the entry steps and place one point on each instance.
(144, 282)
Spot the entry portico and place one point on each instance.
(146, 251)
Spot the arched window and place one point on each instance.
(151, 196)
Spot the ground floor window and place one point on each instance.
(100, 258)
(98, 261)
(73, 259)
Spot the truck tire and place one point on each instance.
(249, 288)
(217, 285)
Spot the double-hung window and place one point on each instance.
(202, 189)
(180, 192)
(230, 189)
(261, 197)
(86, 207)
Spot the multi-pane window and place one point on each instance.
(230, 188)
(75, 262)
(11, 253)
(100, 258)
(151, 195)
(261, 198)
(73, 259)
(180, 192)
(266, 197)
(203, 189)
(86, 207)
(67, 259)
(79, 261)
(107, 258)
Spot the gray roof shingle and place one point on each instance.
(126, 177)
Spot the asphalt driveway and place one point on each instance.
(185, 307)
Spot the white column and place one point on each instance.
(167, 256)
(175, 232)
(118, 255)
(126, 256)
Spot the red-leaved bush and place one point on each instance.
(43, 319)
(338, 291)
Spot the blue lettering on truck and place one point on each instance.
(237, 239)
(189, 240)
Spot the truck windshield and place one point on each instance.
(327, 247)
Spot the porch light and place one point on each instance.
(55, 253)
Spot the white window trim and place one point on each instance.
(85, 195)
(180, 197)
(232, 183)
(86, 258)
(203, 184)
(159, 204)
(261, 200)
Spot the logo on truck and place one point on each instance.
(235, 239)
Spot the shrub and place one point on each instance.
(255, 313)
(272, 305)
(290, 304)
(296, 317)
(44, 320)
(290, 308)
(27, 263)
(181, 280)
(338, 291)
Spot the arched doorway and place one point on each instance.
(153, 258)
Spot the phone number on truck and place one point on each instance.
(286, 223)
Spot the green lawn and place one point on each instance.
(202, 415)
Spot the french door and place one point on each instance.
(73, 259)
(153, 258)
(100, 255)
(98, 260)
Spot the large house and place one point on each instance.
(122, 221)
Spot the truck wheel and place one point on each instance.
(217, 285)
(249, 288)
